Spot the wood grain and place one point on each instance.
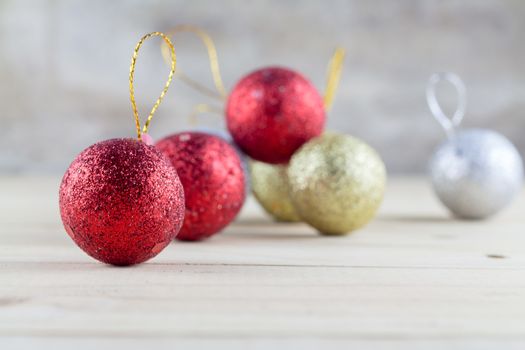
(411, 279)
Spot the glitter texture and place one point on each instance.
(336, 183)
(121, 201)
(270, 187)
(476, 173)
(213, 179)
(225, 135)
(272, 112)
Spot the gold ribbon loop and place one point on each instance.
(335, 68)
(212, 55)
(132, 76)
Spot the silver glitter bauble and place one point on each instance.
(476, 173)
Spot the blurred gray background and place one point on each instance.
(64, 68)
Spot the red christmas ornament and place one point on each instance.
(213, 179)
(121, 201)
(272, 112)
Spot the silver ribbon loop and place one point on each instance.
(448, 124)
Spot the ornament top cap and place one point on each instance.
(449, 124)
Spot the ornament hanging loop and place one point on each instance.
(335, 68)
(132, 77)
(449, 124)
(206, 39)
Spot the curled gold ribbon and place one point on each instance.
(202, 108)
(335, 68)
(173, 58)
(213, 58)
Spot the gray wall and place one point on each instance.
(64, 68)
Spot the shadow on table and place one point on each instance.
(267, 229)
(273, 236)
(401, 218)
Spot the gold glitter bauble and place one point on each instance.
(270, 187)
(336, 183)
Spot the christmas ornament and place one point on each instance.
(213, 179)
(475, 172)
(271, 112)
(270, 187)
(121, 201)
(336, 183)
(223, 134)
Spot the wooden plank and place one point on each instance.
(411, 278)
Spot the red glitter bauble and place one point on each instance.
(121, 201)
(272, 112)
(213, 179)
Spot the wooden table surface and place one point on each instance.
(413, 278)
